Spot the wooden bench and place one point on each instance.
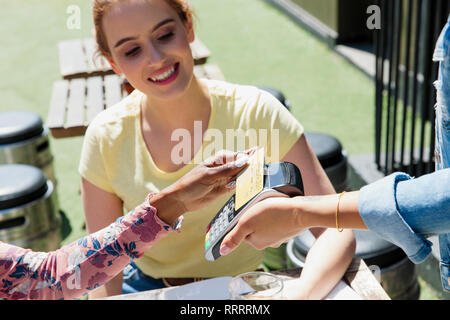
(74, 103)
(77, 58)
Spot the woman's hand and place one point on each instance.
(268, 223)
(272, 221)
(211, 179)
(202, 185)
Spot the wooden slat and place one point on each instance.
(362, 280)
(99, 63)
(200, 52)
(213, 71)
(200, 72)
(72, 60)
(75, 105)
(94, 99)
(209, 71)
(58, 101)
(113, 90)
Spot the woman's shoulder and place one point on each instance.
(231, 90)
(116, 116)
(244, 96)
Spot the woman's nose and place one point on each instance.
(154, 54)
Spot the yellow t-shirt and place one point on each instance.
(115, 158)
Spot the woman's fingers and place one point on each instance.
(220, 158)
(226, 156)
(229, 170)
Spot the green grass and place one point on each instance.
(426, 292)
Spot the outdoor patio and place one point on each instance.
(251, 41)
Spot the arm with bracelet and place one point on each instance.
(398, 208)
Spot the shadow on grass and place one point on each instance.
(66, 227)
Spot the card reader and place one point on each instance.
(281, 179)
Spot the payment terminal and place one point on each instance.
(256, 182)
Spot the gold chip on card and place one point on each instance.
(251, 180)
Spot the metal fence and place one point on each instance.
(405, 95)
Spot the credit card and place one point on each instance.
(251, 180)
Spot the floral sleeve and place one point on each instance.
(76, 268)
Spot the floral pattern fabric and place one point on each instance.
(75, 269)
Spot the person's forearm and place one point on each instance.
(326, 263)
(83, 265)
(332, 252)
(320, 211)
(168, 210)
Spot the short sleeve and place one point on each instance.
(92, 163)
(284, 128)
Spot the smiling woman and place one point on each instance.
(127, 150)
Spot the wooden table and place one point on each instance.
(77, 58)
(358, 277)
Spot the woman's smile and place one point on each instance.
(165, 75)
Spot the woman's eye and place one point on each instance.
(132, 52)
(166, 36)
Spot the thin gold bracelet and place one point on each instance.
(337, 211)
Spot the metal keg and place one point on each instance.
(28, 215)
(397, 274)
(24, 140)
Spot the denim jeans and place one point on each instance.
(134, 280)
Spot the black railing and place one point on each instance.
(405, 95)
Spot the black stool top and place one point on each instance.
(369, 246)
(20, 184)
(17, 126)
(277, 94)
(326, 148)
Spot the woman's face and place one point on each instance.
(149, 44)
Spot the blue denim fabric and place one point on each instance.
(378, 207)
(442, 55)
(404, 210)
(134, 280)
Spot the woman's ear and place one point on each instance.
(115, 68)
(190, 28)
